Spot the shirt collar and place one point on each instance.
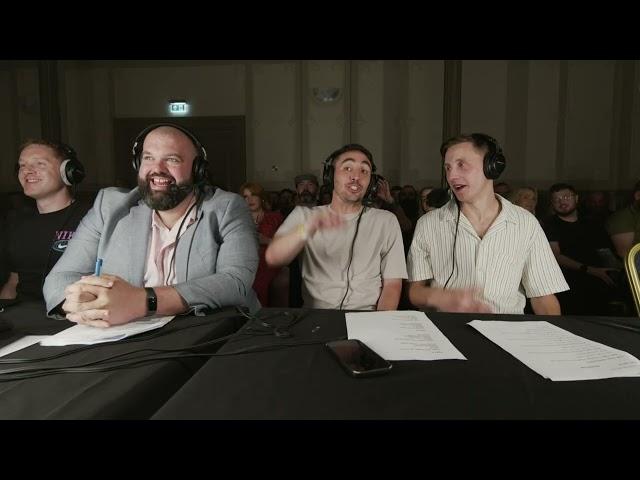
(156, 221)
(507, 213)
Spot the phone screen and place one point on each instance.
(357, 358)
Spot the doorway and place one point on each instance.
(222, 137)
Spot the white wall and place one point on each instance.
(19, 115)
(424, 123)
(557, 120)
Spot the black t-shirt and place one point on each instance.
(35, 241)
(579, 240)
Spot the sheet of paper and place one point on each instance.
(556, 353)
(86, 335)
(401, 335)
(24, 342)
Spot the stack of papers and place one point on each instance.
(401, 335)
(86, 335)
(24, 342)
(557, 354)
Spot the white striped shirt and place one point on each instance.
(512, 260)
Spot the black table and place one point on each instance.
(132, 392)
(305, 382)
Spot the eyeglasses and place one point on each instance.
(563, 197)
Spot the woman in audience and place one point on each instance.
(424, 202)
(525, 197)
(267, 223)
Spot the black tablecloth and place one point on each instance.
(305, 382)
(133, 392)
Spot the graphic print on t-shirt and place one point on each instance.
(61, 240)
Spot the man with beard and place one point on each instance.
(575, 242)
(307, 190)
(35, 239)
(352, 255)
(173, 245)
(479, 252)
(624, 225)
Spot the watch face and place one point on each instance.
(152, 300)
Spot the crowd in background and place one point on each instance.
(582, 229)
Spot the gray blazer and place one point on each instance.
(216, 258)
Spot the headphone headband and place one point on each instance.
(200, 163)
(328, 170)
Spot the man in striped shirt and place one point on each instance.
(479, 252)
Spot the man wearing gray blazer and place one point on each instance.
(172, 245)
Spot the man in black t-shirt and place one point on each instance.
(34, 239)
(580, 246)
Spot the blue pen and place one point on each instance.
(98, 267)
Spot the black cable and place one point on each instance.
(103, 364)
(353, 242)
(111, 358)
(20, 374)
(161, 332)
(193, 235)
(455, 238)
(141, 337)
(265, 328)
(175, 246)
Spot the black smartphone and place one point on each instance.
(357, 359)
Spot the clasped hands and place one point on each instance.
(103, 301)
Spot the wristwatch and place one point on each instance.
(152, 301)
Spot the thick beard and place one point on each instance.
(164, 200)
(306, 198)
(566, 214)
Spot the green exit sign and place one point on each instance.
(178, 108)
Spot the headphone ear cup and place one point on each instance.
(135, 153)
(494, 165)
(487, 167)
(200, 169)
(71, 172)
(372, 190)
(327, 173)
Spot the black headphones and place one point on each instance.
(494, 161)
(328, 170)
(71, 170)
(200, 163)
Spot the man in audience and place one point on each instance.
(286, 201)
(35, 239)
(479, 253)
(172, 245)
(596, 207)
(525, 197)
(387, 201)
(424, 200)
(324, 197)
(395, 192)
(437, 198)
(352, 254)
(575, 242)
(307, 190)
(503, 189)
(624, 225)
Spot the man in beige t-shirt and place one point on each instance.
(353, 256)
